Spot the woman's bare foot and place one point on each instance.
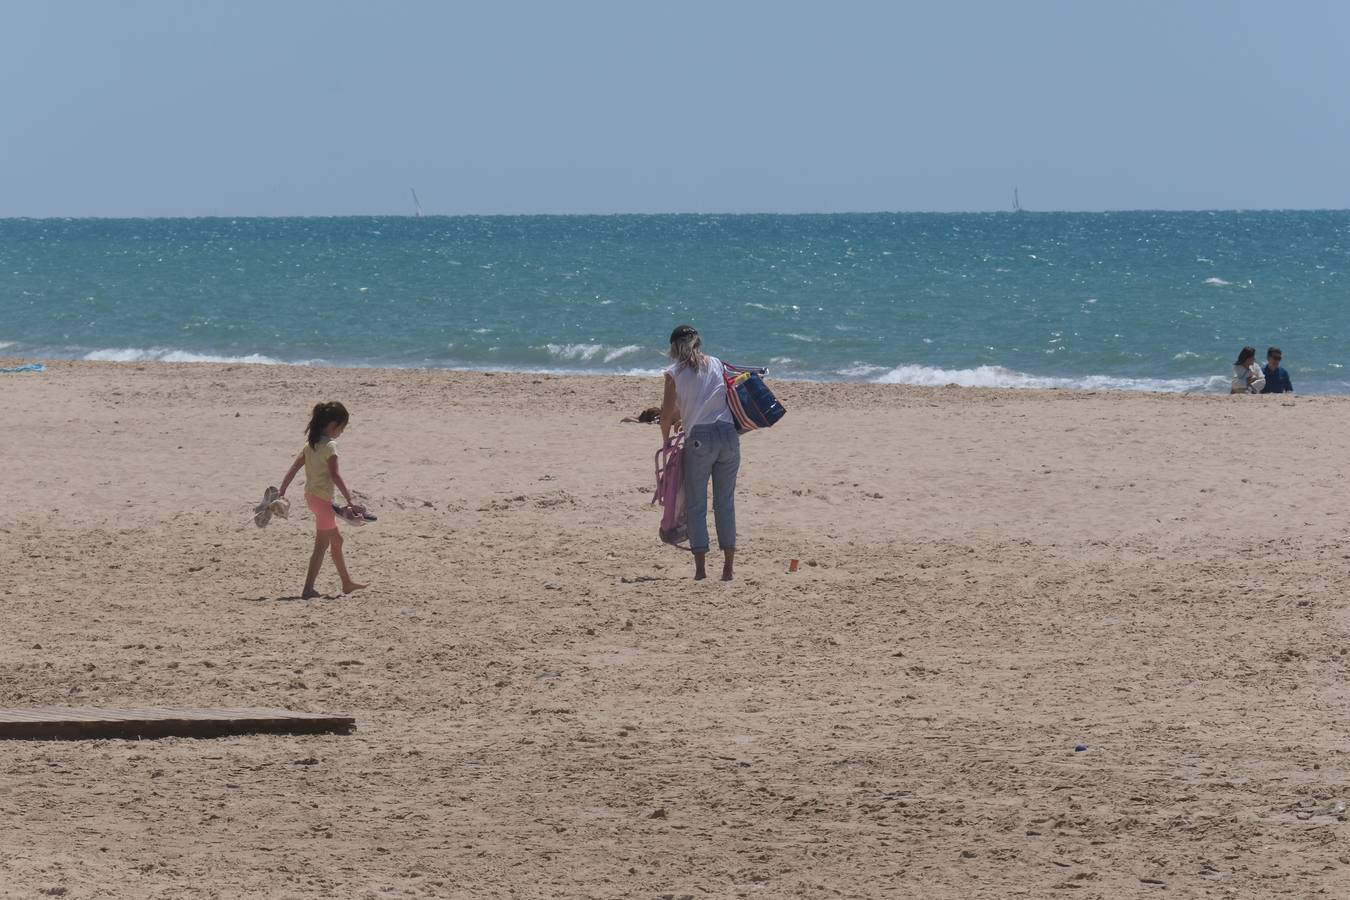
(353, 587)
(727, 565)
(309, 594)
(700, 572)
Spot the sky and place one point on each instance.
(240, 107)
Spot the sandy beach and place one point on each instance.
(547, 706)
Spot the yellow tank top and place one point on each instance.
(318, 480)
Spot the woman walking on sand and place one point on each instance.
(696, 397)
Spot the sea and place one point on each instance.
(1151, 301)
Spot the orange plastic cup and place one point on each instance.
(792, 565)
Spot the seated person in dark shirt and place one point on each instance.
(1277, 379)
(649, 416)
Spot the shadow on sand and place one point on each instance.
(293, 598)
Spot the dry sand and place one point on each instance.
(548, 707)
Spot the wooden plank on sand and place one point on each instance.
(86, 723)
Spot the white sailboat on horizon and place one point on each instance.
(417, 207)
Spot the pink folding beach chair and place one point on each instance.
(670, 491)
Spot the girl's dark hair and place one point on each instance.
(1247, 353)
(324, 415)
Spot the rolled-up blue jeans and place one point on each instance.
(711, 451)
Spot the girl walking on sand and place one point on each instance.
(319, 459)
(696, 397)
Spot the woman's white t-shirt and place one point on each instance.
(701, 394)
(1248, 379)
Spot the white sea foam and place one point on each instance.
(601, 360)
(1218, 282)
(999, 377)
(158, 354)
(862, 372)
(5, 345)
(591, 352)
(634, 371)
(805, 338)
(621, 352)
(1187, 354)
(574, 352)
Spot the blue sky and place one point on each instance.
(318, 108)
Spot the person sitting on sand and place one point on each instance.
(649, 416)
(319, 458)
(1247, 377)
(696, 395)
(1277, 379)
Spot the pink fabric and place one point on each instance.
(324, 517)
(670, 489)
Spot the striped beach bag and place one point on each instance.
(751, 402)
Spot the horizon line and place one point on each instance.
(631, 214)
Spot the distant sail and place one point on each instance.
(1017, 204)
(417, 207)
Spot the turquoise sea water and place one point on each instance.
(1139, 300)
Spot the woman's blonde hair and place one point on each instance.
(686, 348)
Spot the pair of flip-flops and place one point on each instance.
(273, 504)
(347, 514)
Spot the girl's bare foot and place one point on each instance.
(309, 594)
(700, 572)
(353, 587)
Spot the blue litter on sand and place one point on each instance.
(1080, 748)
(31, 367)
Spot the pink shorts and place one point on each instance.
(324, 517)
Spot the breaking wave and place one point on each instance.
(133, 354)
(635, 359)
(574, 352)
(590, 352)
(999, 377)
(622, 352)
